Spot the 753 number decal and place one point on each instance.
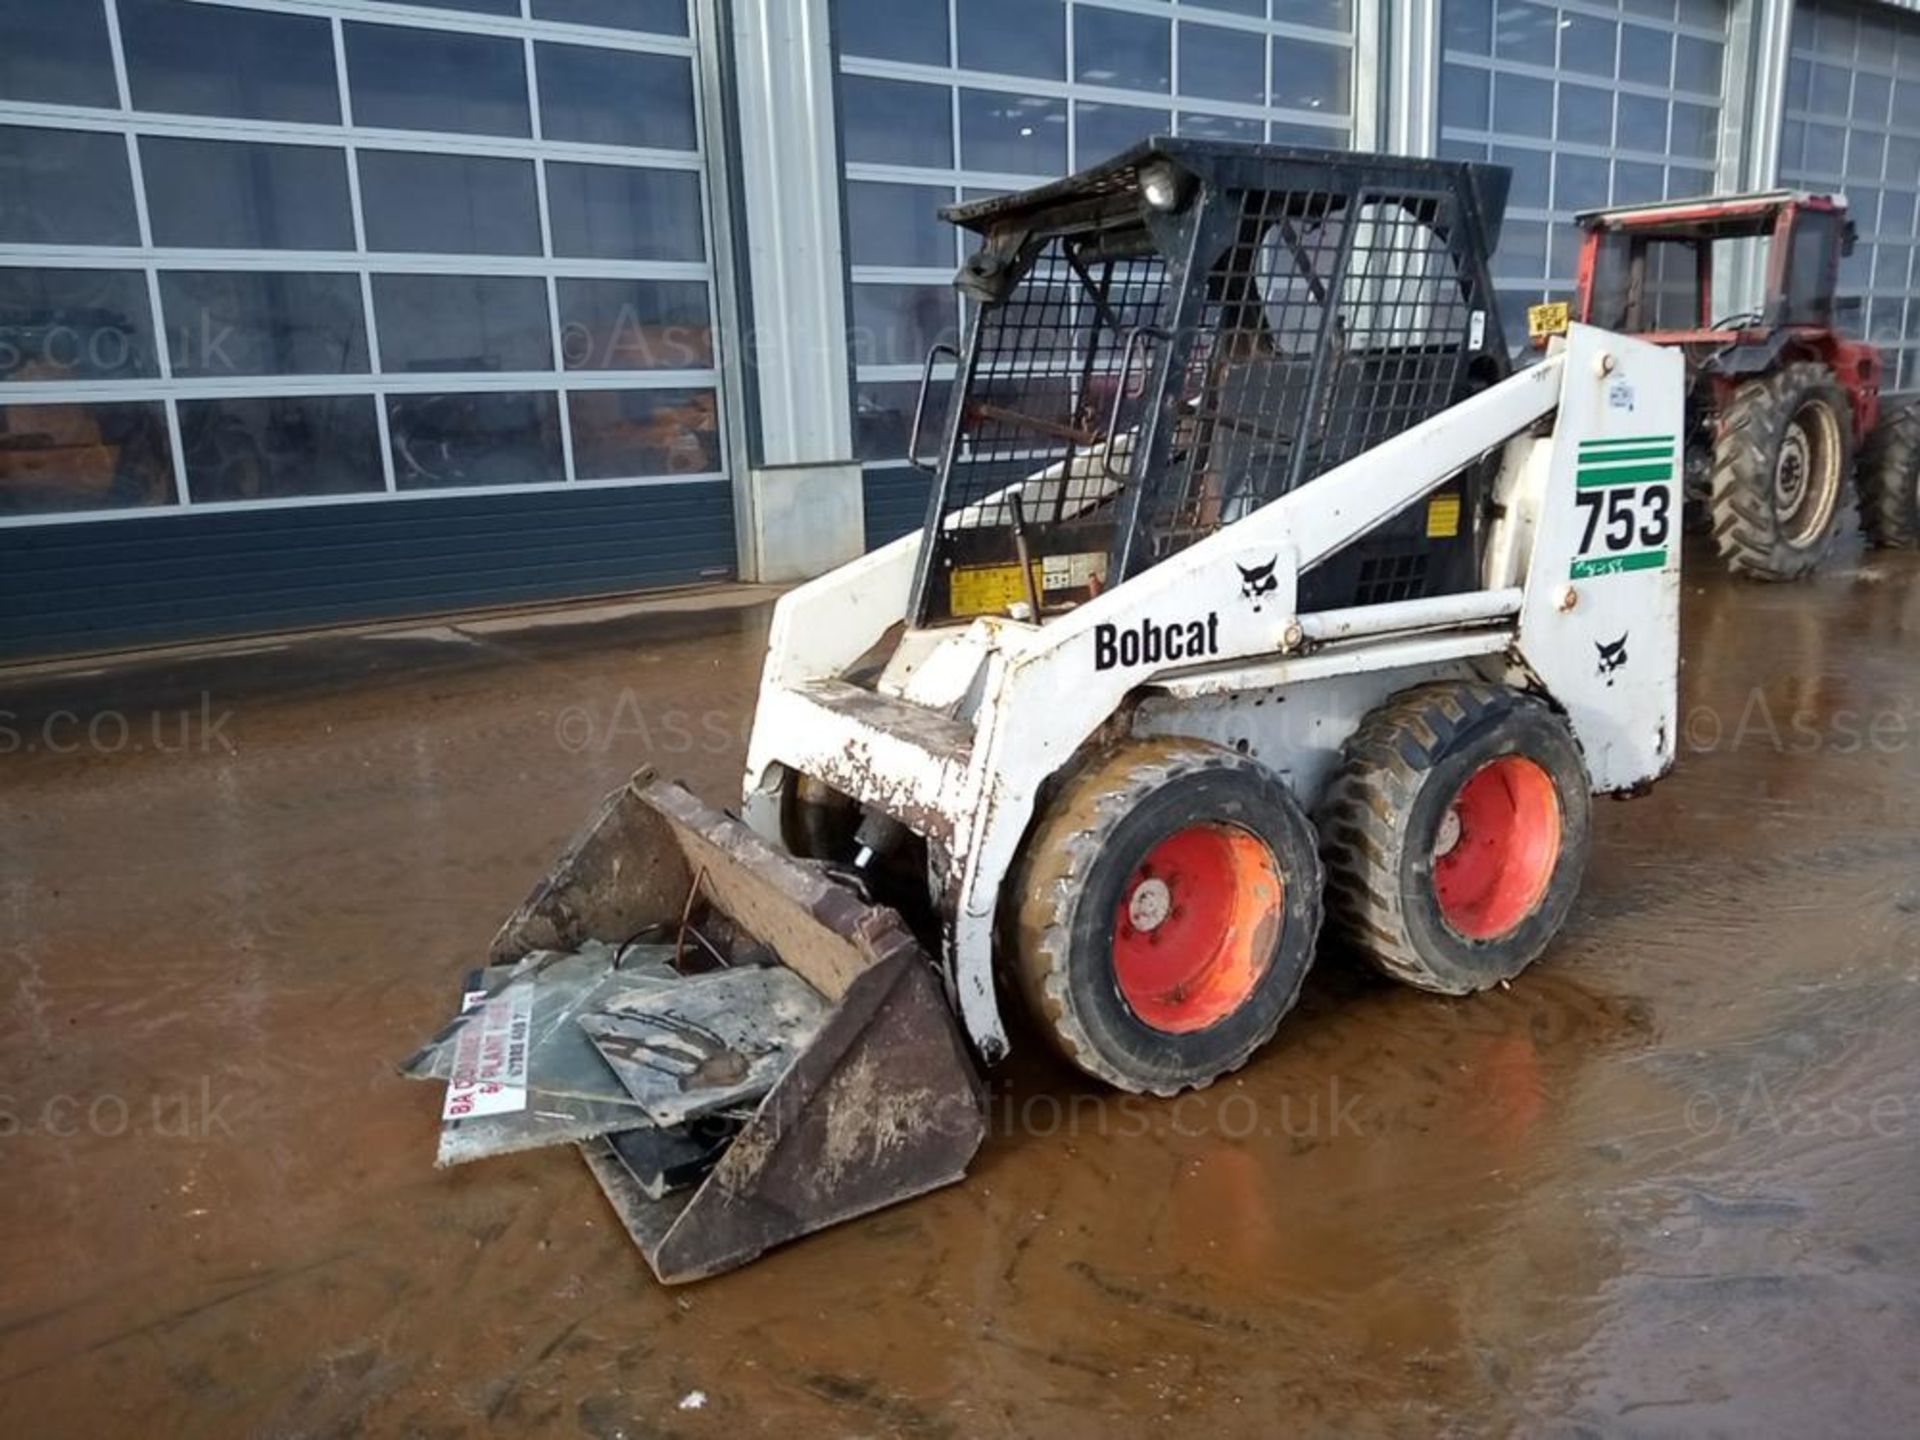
(1621, 518)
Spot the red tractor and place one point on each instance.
(1777, 397)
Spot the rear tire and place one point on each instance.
(1889, 478)
(1167, 912)
(1779, 472)
(1456, 835)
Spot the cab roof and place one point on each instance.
(1236, 164)
(1709, 217)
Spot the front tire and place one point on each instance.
(1890, 481)
(1168, 909)
(1456, 835)
(1780, 471)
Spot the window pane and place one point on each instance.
(1285, 132)
(1586, 114)
(899, 324)
(471, 7)
(1307, 76)
(883, 417)
(898, 224)
(405, 79)
(1025, 134)
(255, 322)
(281, 448)
(1222, 64)
(631, 434)
(635, 325)
(1014, 37)
(1222, 127)
(1113, 47)
(1523, 105)
(1588, 45)
(65, 187)
(1467, 25)
(1646, 55)
(1525, 31)
(1237, 7)
(1103, 131)
(75, 325)
(217, 194)
(1463, 97)
(1697, 65)
(56, 54)
(57, 459)
(449, 204)
(1327, 14)
(659, 17)
(607, 212)
(1696, 131)
(215, 60)
(1579, 183)
(616, 97)
(443, 442)
(913, 30)
(442, 323)
(1643, 124)
(897, 122)
(1532, 183)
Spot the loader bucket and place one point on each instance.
(881, 1104)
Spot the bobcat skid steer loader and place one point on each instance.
(1254, 585)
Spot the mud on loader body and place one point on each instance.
(1254, 586)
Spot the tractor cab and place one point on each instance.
(1650, 270)
(1161, 345)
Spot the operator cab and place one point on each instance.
(1160, 345)
(1650, 270)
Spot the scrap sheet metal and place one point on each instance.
(711, 1042)
(521, 1073)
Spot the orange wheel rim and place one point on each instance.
(1194, 931)
(1497, 847)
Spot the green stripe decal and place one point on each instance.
(1627, 441)
(1644, 452)
(1619, 564)
(1597, 479)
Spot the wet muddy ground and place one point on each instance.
(1667, 1184)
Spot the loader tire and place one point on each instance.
(1779, 472)
(1167, 911)
(1455, 834)
(1889, 479)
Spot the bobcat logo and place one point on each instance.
(1258, 583)
(1612, 658)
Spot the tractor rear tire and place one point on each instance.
(1889, 479)
(1779, 472)
(1166, 913)
(1455, 834)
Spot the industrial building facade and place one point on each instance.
(328, 310)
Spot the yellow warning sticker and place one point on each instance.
(1546, 320)
(1443, 517)
(989, 589)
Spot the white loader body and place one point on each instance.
(1578, 602)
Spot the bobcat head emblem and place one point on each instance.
(1612, 657)
(1258, 583)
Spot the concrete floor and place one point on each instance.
(1667, 1184)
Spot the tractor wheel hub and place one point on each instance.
(1149, 905)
